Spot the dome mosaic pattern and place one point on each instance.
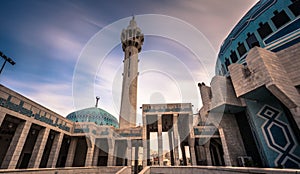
(96, 115)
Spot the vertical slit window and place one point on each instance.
(241, 49)
(252, 40)
(233, 57)
(264, 30)
(130, 33)
(279, 19)
(295, 7)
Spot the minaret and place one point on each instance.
(132, 40)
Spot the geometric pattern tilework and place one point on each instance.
(279, 138)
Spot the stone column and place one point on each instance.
(15, 148)
(90, 151)
(175, 132)
(111, 148)
(201, 154)
(225, 148)
(159, 136)
(145, 142)
(207, 153)
(171, 147)
(96, 155)
(129, 153)
(71, 152)
(55, 150)
(2, 116)
(145, 153)
(39, 148)
(192, 152)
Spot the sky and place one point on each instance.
(47, 39)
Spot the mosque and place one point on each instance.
(250, 115)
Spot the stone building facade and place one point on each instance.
(256, 87)
(259, 106)
(250, 114)
(32, 136)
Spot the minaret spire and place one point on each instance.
(132, 40)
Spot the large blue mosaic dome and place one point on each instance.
(93, 114)
(270, 24)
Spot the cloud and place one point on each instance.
(61, 44)
(214, 18)
(47, 37)
(54, 96)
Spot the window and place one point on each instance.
(295, 7)
(252, 40)
(227, 63)
(233, 57)
(279, 19)
(241, 49)
(264, 30)
(130, 33)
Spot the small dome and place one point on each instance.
(96, 115)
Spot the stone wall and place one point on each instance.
(290, 58)
(265, 68)
(216, 170)
(73, 170)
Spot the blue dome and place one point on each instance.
(96, 115)
(270, 24)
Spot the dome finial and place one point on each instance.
(97, 100)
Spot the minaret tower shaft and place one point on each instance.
(132, 40)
